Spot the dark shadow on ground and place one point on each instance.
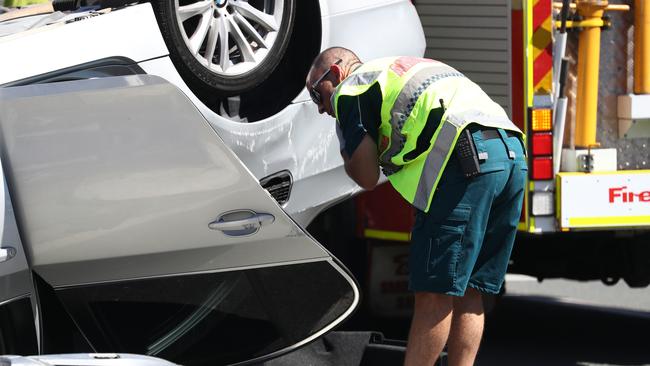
(533, 330)
(545, 331)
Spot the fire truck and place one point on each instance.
(575, 77)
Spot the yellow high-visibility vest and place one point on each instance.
(21, 3)
(410, 88)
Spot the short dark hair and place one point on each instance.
(330, 55)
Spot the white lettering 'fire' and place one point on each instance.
(621, 194)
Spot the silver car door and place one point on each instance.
(151, 234)
(17, 320)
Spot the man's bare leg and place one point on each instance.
(466, 329)
(429, 328)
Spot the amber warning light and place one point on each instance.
(541, 144)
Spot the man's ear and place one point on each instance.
(337, 71)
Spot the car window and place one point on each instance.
(212, 318)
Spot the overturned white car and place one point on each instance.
(133, 143)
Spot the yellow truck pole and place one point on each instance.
(588, 64)
(641, 46)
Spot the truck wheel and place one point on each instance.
(225, 47)
(637, 266)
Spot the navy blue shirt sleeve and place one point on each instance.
(351, 127)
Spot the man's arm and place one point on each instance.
(358, 149)
(363, 166)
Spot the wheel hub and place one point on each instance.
(229, 37)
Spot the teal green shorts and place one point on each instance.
(467, 236)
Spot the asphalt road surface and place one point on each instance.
(619, 296)
(556, 323)
(568, 323)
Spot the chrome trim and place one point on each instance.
(19, 297)
(316, 335)
(36, 310)
(220, 270)
(334, 323)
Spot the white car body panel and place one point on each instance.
(279, 143)
(297, 138)
(114, 180)
(86, 359)
(131, 32)
(393, 28)
(338, 7)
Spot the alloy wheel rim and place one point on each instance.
(229, 37)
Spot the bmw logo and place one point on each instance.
(220, 3)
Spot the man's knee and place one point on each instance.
(431, 300)
(472, 294)
(471, 302)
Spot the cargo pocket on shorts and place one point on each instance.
(445, 247)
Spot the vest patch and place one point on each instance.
(403, 64)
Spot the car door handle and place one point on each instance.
(241, 223)
(7, 253)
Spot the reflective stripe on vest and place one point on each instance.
(403, 107)
(365, 78)
(435, 162)
(442, 149)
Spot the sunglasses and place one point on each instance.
(315, 96)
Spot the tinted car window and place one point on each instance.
(212, 318)
(17, 332)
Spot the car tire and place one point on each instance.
(257, 33)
